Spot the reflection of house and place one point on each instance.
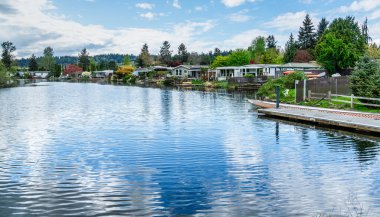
(103, 74)
(188, 71)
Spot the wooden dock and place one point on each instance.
(355, 122)
(340, 119)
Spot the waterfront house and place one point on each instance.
(300, 67)
(223, 73)
(188, 71)
(39, 74)
(103, 74)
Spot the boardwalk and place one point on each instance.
(359, 121)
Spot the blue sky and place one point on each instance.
(123, 26)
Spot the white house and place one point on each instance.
(187, 71)
(223, 73)
(39, 74)
(103, 74)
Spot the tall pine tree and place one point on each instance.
(322, 26)
(306, 34)
(165, 53)
(144, 59)
(33, 66)
(182, 53)
(271, 42)
(84, 60)
(365, 31)
(290, 49)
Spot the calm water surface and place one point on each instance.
(98, 150)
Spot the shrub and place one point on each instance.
(365, 79)
(197, 82)
(286, 82)
(248, 75)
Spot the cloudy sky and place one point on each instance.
(123, 26)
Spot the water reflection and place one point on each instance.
(87, 149)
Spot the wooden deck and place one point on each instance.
(351, 120)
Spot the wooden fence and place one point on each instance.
(351, 98)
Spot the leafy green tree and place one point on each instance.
(183, 55)
(257, 49)
(271, 55)
(290, 50)
(127, 60)
(6, 56)
(341, 45)
(373, 51)
(322, 26)
(365, 79)
(33, 66)
(239, 57)
(4, 77)
(271, 42)
(165, 53)
(306, 34)
(48, 61)
(84, 60)
(220, 61)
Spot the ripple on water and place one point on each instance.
(97, 150)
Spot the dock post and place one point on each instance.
(329, 95)
(277, 97)
(309, 94)
(352, 101)
(295, 90)
(304, 90)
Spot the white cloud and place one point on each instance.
(146, 6)
(33, 26)
(240, 17)
(176, 4)
(242, 40)
(360, 5)
(235, 3)
(289, 21)
(148, 15)
(374, 15)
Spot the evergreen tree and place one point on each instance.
(182, 53)
(271, 42)
(217, 52)
(48, 61)
(33, 66)
(365, 32)
(290, 50)
(306, 34)
(322, 26)
(165, 53)
(84, 60)
(144, 59)
(6, 56)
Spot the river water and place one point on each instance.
(101, 150)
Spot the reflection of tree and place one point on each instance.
(166, 103)
(366, 150)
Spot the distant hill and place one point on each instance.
(65, 60)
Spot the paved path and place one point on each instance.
(351, 120)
